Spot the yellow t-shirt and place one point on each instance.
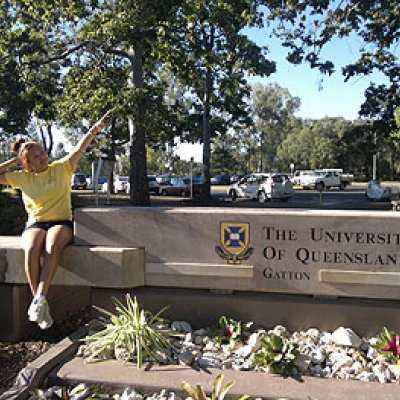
(46, 195)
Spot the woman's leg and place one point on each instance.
(57, 238)
(32, 242)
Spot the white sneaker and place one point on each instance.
(46, 321)
(36, 308)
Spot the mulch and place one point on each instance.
(15, 356)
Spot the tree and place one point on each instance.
(307, 26)
(273, 110)
(212, 58)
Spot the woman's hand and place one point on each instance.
(103, 121)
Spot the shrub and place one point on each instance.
(388, 344)
(230, 331)
(277, 354)
(138, 332)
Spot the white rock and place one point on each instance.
(121, 353)
(395, 371)
(254, 340)
(326, 338)
(246, 366)
(181, 326)
(366, 376)
(208, 361)
(357, 367)
(346, 337)
(188, 338)
(317, 356)
(313, 333)
(280, 330)
(209, 345)
(131, 394)
(244, 351)
(381, 374)
(372, 353)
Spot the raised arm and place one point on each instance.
(13, 162)
(78, 151)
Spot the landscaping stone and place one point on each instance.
(346, 337)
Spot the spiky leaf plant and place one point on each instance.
(138, 331)
(218, 391)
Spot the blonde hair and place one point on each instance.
(22, 147)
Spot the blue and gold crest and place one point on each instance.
(235, 239)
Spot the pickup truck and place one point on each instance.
(325, 179)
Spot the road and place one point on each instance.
(352, 198)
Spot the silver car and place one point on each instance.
(239, 188)
(276, 186)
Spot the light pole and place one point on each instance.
(191, 176)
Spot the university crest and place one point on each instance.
(235, 239)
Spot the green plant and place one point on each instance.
(230, 331)
(81, 391)
(138, 332)
(388, 344)
(278, 354)
(218, 392)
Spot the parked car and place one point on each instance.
(235, 178)
(78, 181)
(181, 186)
(121, 184)
(220, 180)
(299, 174)
(154, 186)
(238, 189)
(275, 186)
(308, 181)
(376, 192)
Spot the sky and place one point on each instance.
(320, 95)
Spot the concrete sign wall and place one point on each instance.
(323, 253)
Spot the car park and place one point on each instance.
(275, 186)
(238, 189)
(78, 181)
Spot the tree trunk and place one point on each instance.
(139, 193)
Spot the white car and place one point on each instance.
(274, 187)
(239, 188)
(121, 184)
(299, 175)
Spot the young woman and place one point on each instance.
(46, 193)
